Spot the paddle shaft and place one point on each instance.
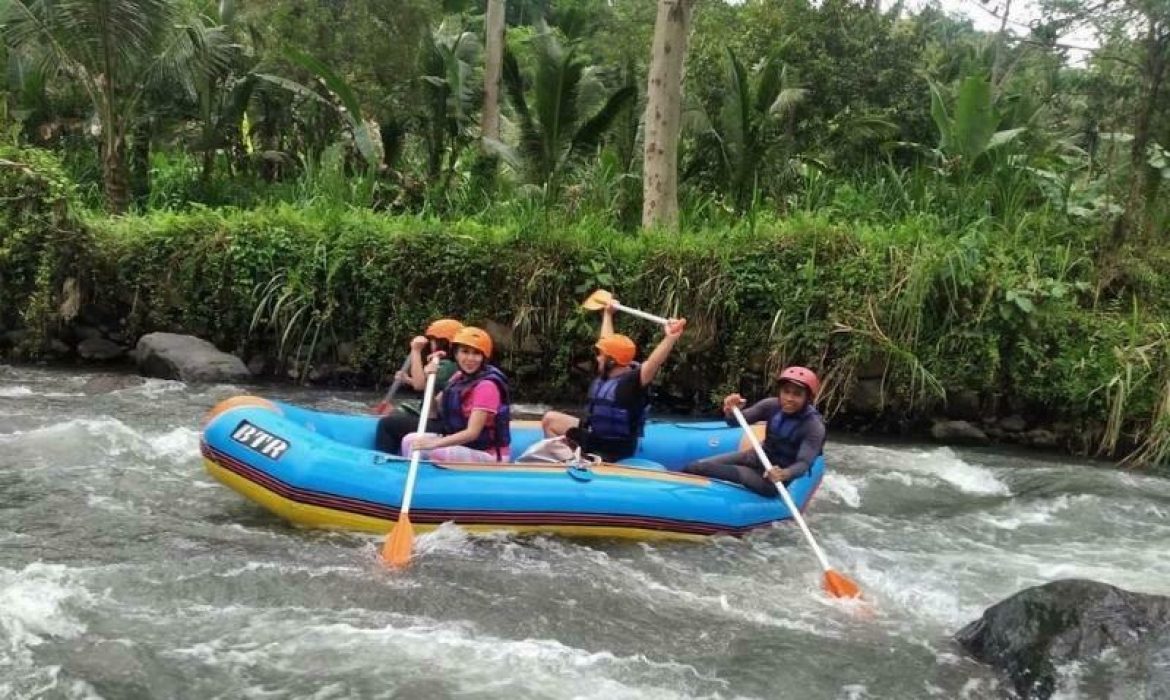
(640, 314)
(397, 381)
(751, 436)
(408, 492)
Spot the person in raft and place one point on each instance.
(474, 412)
(393, 426)
(794, 437)
(616, 410)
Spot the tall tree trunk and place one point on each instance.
(664, 114)
(115, 170)
(493, 60)
(140, 160)
(1133, 221)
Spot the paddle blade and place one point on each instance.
(400, 541)
(597, 300)
(841, 586)
(381, 408)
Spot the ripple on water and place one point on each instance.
(351, 654)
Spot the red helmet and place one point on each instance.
(802, 376)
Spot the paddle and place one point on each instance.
(600, 299)
(400, 541)
(836, 584)
(384, 405)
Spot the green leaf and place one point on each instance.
(975, 121)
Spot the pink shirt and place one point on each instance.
(484, 396)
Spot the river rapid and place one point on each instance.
(127, 572)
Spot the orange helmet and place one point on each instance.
(802, 376)
(618, 347)
(443, 328)
(474, 337)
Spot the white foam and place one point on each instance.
(447, 538)
(9, 392)
(944, 465)
(475, 663)
(1036, 513)
(152, 387)
(917, 467)
(842, 488)
(32, 604)
(180, 443)
(107, 436)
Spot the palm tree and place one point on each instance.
(557, 127)
(116, 50)
(750, 125)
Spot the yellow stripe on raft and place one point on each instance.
(320, 517)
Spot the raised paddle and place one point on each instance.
(384, 405)
(836, 584)
(400, 541)
(600, 299)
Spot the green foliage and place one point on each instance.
(558, 127)
(44, 252)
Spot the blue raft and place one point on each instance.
(319, 469)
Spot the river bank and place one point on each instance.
(974, 336)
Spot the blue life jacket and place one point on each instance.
(606, 418)
(780, 440)
(496, 433)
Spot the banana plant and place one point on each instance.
(339, 97)
(452, 95)
(972, 131)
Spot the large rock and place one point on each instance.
(185, 357)
(865, 398)
(100, 349)
(1029, 634)
(957, 431)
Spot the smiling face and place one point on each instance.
(792, 397)
(468, 359)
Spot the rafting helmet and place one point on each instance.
(444, 328)
(801, 376)
(618, 348)
(476, 338)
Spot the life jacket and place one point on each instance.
(496, 433)
(606, 417)
(780, 442)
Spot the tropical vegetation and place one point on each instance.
(888, 194)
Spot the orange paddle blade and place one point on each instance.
(841, 586)
(396, 551)
(381, 408)
(597, 300)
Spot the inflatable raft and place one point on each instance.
(319, 469)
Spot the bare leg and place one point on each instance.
(555, 423)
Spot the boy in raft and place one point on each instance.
(616, 412)
(794, 437)
(397, 423)
(474, 412)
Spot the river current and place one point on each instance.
(127, 572)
